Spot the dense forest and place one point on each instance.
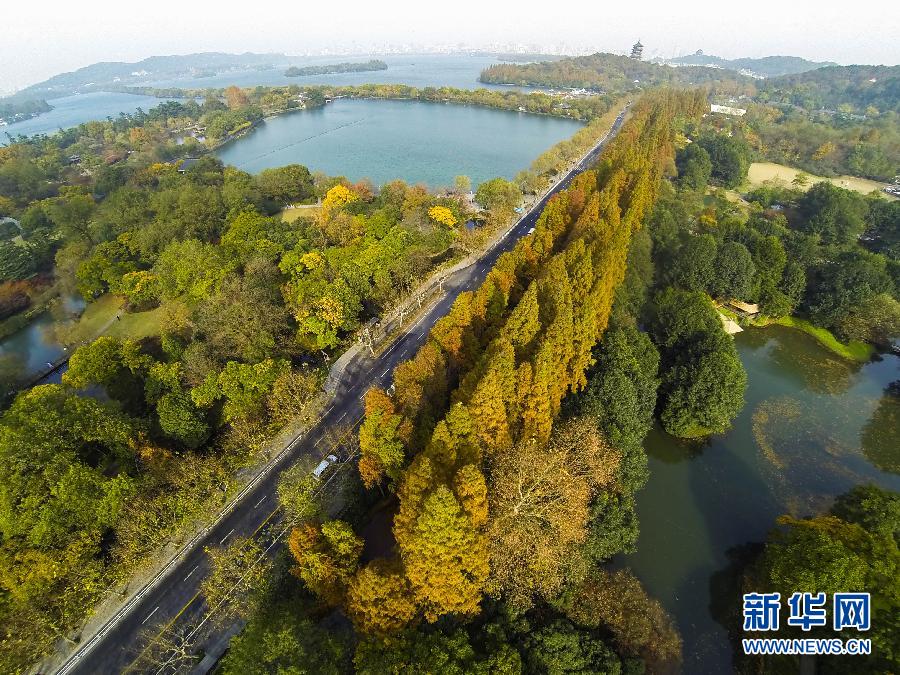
(244, 305)
(510, 485)
(828, 121)
(826, 253)
(859, 87)
(610, 72)
(509, 450)
(766, 66)
(854, 545)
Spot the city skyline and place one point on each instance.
(48, 38)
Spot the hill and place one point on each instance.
(767, 66)
(832, 87)
(119, 73)
(611, 72)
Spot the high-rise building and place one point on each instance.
(637, 51)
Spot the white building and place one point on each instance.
(727, 110)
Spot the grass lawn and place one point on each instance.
(761, 172)
(100, 316)
(853, 350)
(290, 215)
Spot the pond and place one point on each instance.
(813, 426)
(30, 349)
(416, 141)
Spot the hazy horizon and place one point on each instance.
(48, 38)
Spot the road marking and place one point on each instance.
(191, 572)
(149, 615)
(261, 499)
(222, 540)
(387, 371)
(342, 417)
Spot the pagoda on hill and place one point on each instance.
(637, 51)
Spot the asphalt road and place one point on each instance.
(176, 599)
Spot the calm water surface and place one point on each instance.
(36, 344)
(416, 70)
(431, 70)
(813, 426)
(71, 111)
(412, 140)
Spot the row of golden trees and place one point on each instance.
(493, 498)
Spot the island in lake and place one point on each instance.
(332, 68)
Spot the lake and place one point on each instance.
(811, 423)
(70, 111)
(413, 140)
(417, 70)
(429, 70)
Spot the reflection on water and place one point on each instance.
(812, 427)
(28, 351)
(417, 141)
(881, 435)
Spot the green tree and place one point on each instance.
(705, 391)
(621, 392)
(840, 287)
(191, 268)
(281, 640)
(730, 158)
(433, 652)
(876, 319)
(16, 261)
(286, 184)
(561, 648)
(54, 446)
(180, 419)
(835, 214)
(734, 271)
(695, 265)
(694, 167)
(297, 494)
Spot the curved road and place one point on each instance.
(175, 599)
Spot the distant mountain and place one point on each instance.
(117, 73)
(767, 66)
(834, 86)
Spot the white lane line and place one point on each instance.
(342, 417)
(222, 540)
(385, 372)
(149, 615)
(330, 408)
(191, 572)
(261, 500)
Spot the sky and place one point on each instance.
(40, 38)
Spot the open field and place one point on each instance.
(761, 172)
(99, 316)
(290, 215)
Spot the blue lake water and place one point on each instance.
(416, 141)
(71, 111)
(430, 70)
